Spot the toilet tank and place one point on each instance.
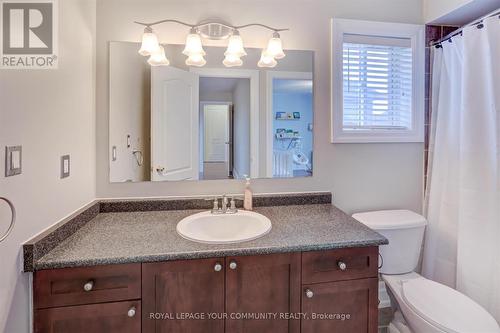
(405, 231)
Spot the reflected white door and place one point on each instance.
(174, 124)
(216, 125)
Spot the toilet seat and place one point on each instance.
(446, 308)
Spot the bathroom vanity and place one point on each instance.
(316, 271)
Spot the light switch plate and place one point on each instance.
(13, 160)
(65, 166)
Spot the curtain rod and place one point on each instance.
(477, 22)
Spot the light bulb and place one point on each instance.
(149, 42)
(158, 58)
(266, 60)
(232, 60)
(193, 44)
(275, 47)
(235, 45)
(196, 60)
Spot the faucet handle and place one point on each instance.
(215, 201)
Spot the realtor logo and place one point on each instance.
(29, 34)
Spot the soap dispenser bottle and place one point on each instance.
(248, 199)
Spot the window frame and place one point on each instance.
(416, 34)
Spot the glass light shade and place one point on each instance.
(158, 58)
(235, 46)
(232, 60)
(196, 60)
(266, 60)
(149, 43)
(193, 45)
(275, 47)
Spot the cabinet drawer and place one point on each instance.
(123, 317)
(86, 285)
(341, 264)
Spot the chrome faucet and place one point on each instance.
(224, 205)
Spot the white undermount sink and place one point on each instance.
(224, 228)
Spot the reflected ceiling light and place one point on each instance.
(213, 30)
(275, 47)
(196, 60)
(149, 42)
(232, 60)
(266, 60)
(158, 58)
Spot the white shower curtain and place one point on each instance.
(462, 243)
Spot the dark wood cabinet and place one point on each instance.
(260, 290)
(336, 289)
(87, 285)
(173, 290)
(342, 306)
(122, 317)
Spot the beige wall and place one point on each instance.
(241, 121)
(361, 176)
(50, 113)
(130, 78)
(435, 9)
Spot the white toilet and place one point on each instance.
(426, 306)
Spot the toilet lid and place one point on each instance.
(446, 308)
(391, 219)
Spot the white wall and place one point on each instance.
(241, 121)
(362, 176)
(49, 113)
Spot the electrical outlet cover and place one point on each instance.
(65, 166)
(13, 161)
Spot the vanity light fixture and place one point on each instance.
(149, 42)
(275, 47)
(235, 50)
(194, 49)
(266, 60)
(214, 30)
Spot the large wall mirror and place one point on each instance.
(200, 123)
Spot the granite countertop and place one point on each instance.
(133, 237)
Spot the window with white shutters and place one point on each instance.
(380, 88)
(377, 87)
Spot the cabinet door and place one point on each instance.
(123, 317)
(173, 290)
(265, 286)
(344, 306)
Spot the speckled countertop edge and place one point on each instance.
(204, 254)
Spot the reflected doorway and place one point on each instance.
(224, 127)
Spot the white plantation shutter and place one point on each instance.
(377, 84)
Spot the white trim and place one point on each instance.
(270, 75)
(415, 33)
(253, 75)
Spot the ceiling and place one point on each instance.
(216, 85)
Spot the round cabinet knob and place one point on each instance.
(131, 312)
(233, 265)
(218, 267)
(309, 293)
(88, 286)
(342, 265)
